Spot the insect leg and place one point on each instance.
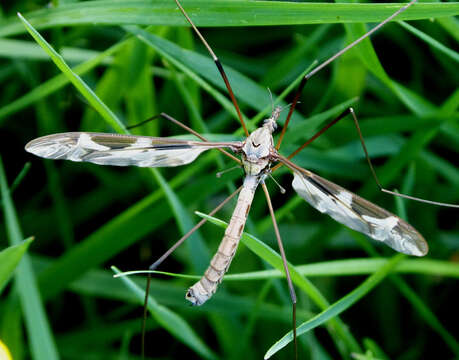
(362, 141)
(373, 172)
(315, 136)
(219, 67)
(170, 251)
(284, 261)
(325, 63)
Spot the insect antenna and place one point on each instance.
(285, 263)
(325, 63)
(158, 262)
(219, 67)
(281, 188)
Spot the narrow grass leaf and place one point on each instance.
(120, 232)
(52, 85)
(82, 87)
(200, 67)
(426, 313)
(9, 259)
(270, 256)
(40, 336)
(221, 13)
(339, 306)
(17, 181)
(431, 41)
(169, 320)
(199, 254)
(353, 267)
(12, 48)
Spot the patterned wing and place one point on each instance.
(120, 150)
(359, 214)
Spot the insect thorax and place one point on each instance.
(257, 149)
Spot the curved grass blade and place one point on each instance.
(221, 13)
(52, 85)
(9, 259)
(169, 320)
(199, 254)
(40, 336)
(201, 68)
(347, 267)
(339, 306)
(129, 226)
(270, 256)
(183, 219)
(431, 41)
(353, 267)
(82, 87)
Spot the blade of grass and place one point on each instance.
(348, 267)
(169, 320)
(270, 256)
(55, 83)
(339, 306)
(431, 41)
(82, 87)
(416, 301)
(9, 259)
(201, 68)
(12, 48)
(359, 267)
(181, 216)
(198, 252)
(127, 227)
(221, 13)
(38, 329)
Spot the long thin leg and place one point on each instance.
(284, 261)
(170, 251)
(356, 123)
(364, 147)
(325, 63)
(219, 67)
(315, 136)
(191, 231)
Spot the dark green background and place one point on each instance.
(86, 217)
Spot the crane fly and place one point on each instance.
(259, 157)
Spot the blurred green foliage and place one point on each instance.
(139, 62)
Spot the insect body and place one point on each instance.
(257, 154)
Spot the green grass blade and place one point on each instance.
(197, 250)
(270, 256)
(17, 49)
(172, 322)
(431, 41)
(127, 227)
(54, 84)
(222, 13)
(38, 329)
(17, 181)
(84, 89)
(352, 267)
(9, 259)
(339, 306)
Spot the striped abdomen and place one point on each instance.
(200, 292)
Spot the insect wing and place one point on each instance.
(119, 150)
(359, 214)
